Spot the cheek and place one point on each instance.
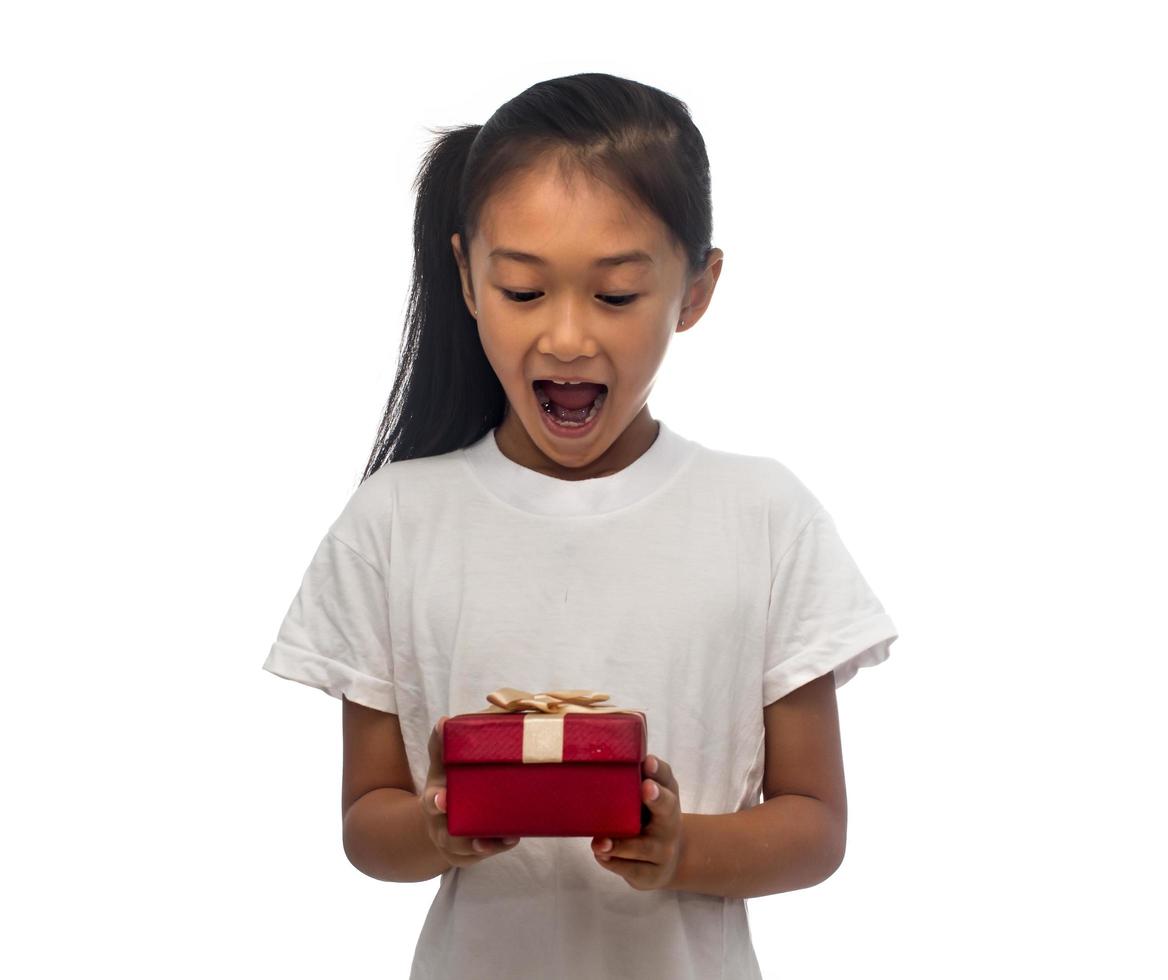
(492, 342)
(498, 353)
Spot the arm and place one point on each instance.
(383, 825)
(796, 838)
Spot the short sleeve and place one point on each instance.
(822, 616)
(335, 636)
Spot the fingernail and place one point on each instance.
(651, 764)
(510, 840)
(654, 791)
(606, 845)
(476, 845)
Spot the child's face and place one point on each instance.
(573, 322)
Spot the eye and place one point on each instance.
(612, 300)
(515, 297)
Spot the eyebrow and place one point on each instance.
(634, 256)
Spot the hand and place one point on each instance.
(459, 851)
(649, 861)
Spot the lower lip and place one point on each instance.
(574, 431)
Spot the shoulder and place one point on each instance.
(762, 479)
(763, 489)
(413, 484)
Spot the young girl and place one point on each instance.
(537, 528)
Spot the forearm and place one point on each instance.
(385, 837)
(788, 842)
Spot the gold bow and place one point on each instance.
(543, 726)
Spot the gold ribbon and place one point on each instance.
(544, 712)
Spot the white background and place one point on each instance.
(943, 306)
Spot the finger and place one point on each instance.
(639, 848)
(630, 868)
(603, 849)
(434, 799)
(660, 799)
(436, 763)
(478, 847)
(436, 778)
(661, 771)
(492, 845)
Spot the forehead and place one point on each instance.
(547, 218)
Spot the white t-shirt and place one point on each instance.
(695, 585)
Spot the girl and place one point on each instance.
(537, 528)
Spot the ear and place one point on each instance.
(701, 290)
(464, 273)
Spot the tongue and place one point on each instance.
(572, 396)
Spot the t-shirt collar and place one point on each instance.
(539, 493)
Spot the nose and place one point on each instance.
(568, 336)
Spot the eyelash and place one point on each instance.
(511, 294)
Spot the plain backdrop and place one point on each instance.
(943, 306)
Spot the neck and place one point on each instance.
(516, 444)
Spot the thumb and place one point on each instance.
(437, 766)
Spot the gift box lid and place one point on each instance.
(582, 736)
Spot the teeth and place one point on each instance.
(547, 407)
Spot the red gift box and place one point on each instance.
(552, 764)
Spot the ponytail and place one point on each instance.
(445, 395)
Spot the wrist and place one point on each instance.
(682, 841)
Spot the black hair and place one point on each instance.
(638, 138)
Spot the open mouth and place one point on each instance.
(570, 405)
